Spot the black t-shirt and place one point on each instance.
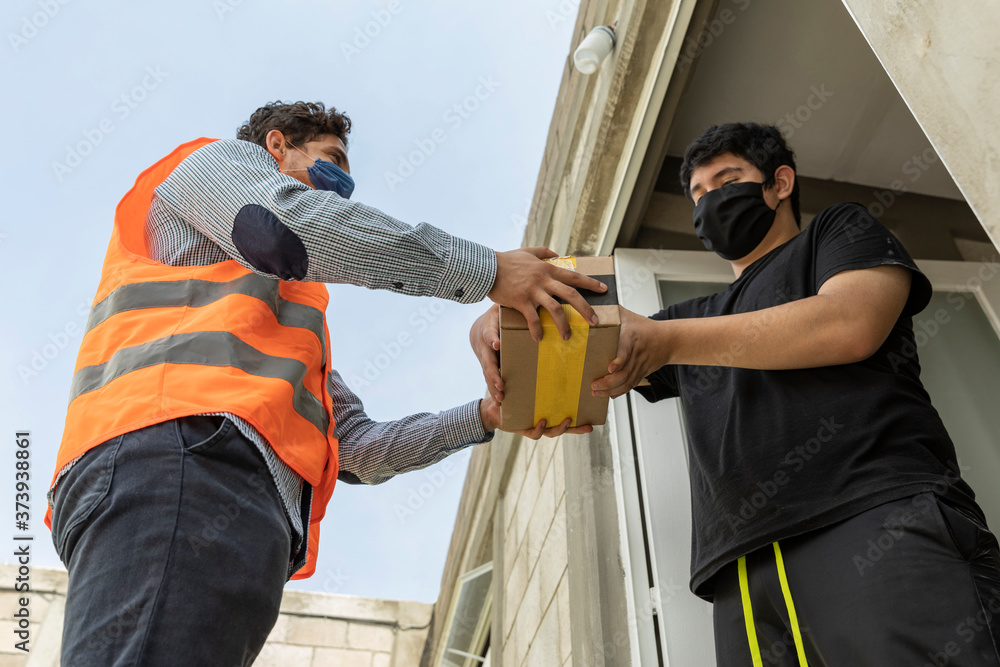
(776, 453)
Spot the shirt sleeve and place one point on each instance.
(663, 383)
(372, 452)
(848, 237)
(232, 192)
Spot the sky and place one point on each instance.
(451, 103)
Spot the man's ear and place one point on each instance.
(784, 181)
(276, 145)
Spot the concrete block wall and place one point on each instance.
(313, 629)
(45, 606)
(536, 623)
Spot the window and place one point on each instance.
(467, 639)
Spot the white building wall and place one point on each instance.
(536, 626)
(313, 629)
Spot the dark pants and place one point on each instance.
(911, 582)
(177, 547)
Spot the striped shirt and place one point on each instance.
(190, 223)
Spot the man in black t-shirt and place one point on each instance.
(830, 522)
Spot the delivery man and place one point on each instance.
(206, 427)
(815, 419)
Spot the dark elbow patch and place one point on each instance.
(268, 245)
(348, 477)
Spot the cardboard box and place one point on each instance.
(551, 380)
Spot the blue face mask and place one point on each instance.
(326, 175)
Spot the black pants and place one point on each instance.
(911, 582)
(177, 547)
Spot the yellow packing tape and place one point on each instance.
(563, 262)
(560, 368)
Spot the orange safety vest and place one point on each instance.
(164, 342)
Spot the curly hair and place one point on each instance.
(299, 122)
(763, 146)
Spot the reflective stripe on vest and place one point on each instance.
(164, 342)
(215, 348)
(208, 348)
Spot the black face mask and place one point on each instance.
(734, 219)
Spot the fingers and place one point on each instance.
(565, 289)
(536, 432)
(485, 339)
(556, 431)
(626, 346)
(615, 364)
(541, 252)
(609, 383)
(534, 323)
(489, 413)
(540, 430)
(494, 382)
(580, 280)
(558, 316)
(491, 336)
(564, 429)
(577, 300)
(492, 373)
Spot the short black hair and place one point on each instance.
(763, 146)
(298, 121)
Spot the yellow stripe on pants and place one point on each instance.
(748, 610)
(792, 618)
(748, 614)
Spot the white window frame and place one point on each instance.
(483, 624)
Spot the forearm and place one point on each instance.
(807, 333)
(350, 242)
(378, 451)
(232, 192)
(372, 452)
